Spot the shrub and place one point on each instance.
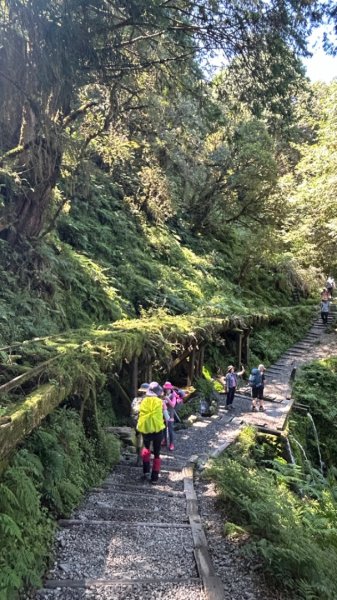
(293, 537)
(45, 482)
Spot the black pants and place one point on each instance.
(324, 316)
(156, 439)
(230, 396)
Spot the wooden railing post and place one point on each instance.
(201, 359)
(239, 348)
(134, 377)
(245, 347)
(191, 367)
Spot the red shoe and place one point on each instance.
(171, 447)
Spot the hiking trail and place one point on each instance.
(132, 541)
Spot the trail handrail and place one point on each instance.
(14, 383)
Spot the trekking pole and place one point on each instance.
(177, 416)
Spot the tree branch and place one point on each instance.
(78, 113)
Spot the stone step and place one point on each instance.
(113, 506)
(136, 470)
(104, 550)
(122, 589)
(170, 479)
(144, 492)
(143, 488)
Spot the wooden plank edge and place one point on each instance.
(91, 522)
(168, 495)
(85, 583)
(212, 584)
(133, 488)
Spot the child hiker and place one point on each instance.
(171, 399)
(151, 425)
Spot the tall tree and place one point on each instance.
(311, 191)
(53, 49)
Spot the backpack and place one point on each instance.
(255, 378)
(135, 408)
(180, 396)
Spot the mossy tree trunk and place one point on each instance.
(89, 414)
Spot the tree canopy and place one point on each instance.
(60, 61)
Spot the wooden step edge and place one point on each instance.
(167, 468)
(104, 506)
(67, 523)
(137, 511)
(212, 584)
(86, 583)
(162, 493)
(265, 398)
(133, 488)
(164, 471)
(164, 454)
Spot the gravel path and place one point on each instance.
(159, 591)
(132, 541)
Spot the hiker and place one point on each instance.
(231, 382)
(135, 406)
(325, 307)
(151, 425)
(330, 286)
(256, 381)
(171, 399)
(324, 294)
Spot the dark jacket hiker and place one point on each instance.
(256, 381)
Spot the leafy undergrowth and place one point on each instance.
(45, 481)
(282, 518)
(106, 263)
(286, 326)
(315, 388)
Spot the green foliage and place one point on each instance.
(315, 387)
(205, 387)
(287, 327)
(25, 527)
(292, 537)
(45, 482)
(311, 224)
(190, 407)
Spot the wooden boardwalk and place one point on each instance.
(278, 382)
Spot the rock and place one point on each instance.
(192, 419)
(126, 434)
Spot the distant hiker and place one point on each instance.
(324, 294)
(135, 406)
(181, 397)
(231, 382)
(262, 370)
(330, 286)
(151, 424)
(256, 381)
(171, 399)
(325, 307)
